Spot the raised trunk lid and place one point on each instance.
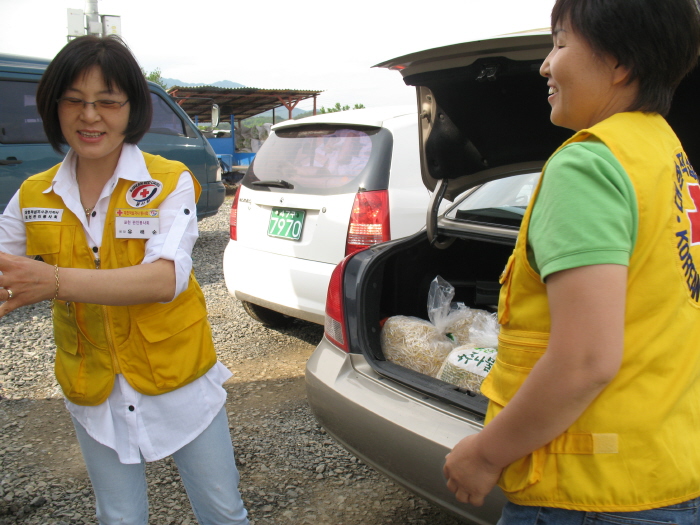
(483, 105)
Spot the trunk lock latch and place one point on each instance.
(488, 73)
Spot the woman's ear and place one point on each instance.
(621, 74)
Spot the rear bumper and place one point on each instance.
(399, 432)
(292, 286)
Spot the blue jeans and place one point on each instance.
(207, 468)
(686, 513)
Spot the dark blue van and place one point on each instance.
(24, 149)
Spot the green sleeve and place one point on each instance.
(585, 212)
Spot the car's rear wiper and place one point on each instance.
(279, 183)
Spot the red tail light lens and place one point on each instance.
(369, 221)
(233, 221)
(335, 311)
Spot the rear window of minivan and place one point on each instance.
(323, 159)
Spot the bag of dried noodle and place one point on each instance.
(467, 366)
(414, 343)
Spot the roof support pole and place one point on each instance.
(314, 104)
(233, 138)
(289, 103)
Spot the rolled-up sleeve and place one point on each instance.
(13, 235)
(178, 232)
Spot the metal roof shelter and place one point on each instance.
(237, 103)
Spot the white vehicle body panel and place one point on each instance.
(291, 276)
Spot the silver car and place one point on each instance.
(484, 136)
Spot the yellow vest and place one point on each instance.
(158, 347)
(637, 446)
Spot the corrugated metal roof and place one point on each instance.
(240, 102)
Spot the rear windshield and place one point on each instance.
(499, 202)
(322, 159)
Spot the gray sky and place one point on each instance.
(322, 45)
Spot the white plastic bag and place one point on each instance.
(440, 303)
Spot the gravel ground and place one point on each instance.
(291, 471)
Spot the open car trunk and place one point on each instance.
(396, 280)
(484, 115)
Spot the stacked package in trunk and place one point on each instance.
(458, 344)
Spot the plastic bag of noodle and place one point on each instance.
(419, 344)
(414, 343)
(467, 366)
(459, 322)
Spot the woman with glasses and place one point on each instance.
(107, 235)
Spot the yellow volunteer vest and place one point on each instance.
(637, 446)
(157, 347)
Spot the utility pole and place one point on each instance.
(92, 18)
(91, 22)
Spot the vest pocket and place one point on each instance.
(518, 352)
(176, 339)
(524, 472)
(70, 360)
(83, 370)
(45, 240)
(504, 295)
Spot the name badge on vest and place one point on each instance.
(42, 214)
(137, 224)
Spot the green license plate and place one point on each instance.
(286, 224)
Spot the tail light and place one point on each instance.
(335, 311)
(233, 221)
(369, 221)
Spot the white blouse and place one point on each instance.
(134, 424)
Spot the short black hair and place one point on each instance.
(657, 40)
(119, 68)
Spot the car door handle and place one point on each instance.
(10, 161)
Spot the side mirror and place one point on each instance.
(214, 115)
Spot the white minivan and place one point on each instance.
(320, 188)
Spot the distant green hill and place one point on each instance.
(170, 82)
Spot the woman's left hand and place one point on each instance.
(470, 476)
(24, 281)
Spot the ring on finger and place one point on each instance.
(10, 295)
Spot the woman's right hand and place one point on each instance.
(24, 281)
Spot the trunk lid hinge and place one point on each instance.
(432, 217)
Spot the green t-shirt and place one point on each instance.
(585, 212)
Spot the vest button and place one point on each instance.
(187, 212)
(94, 214)
(95, 249)
(131, 408)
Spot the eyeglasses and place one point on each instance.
(99, 105)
